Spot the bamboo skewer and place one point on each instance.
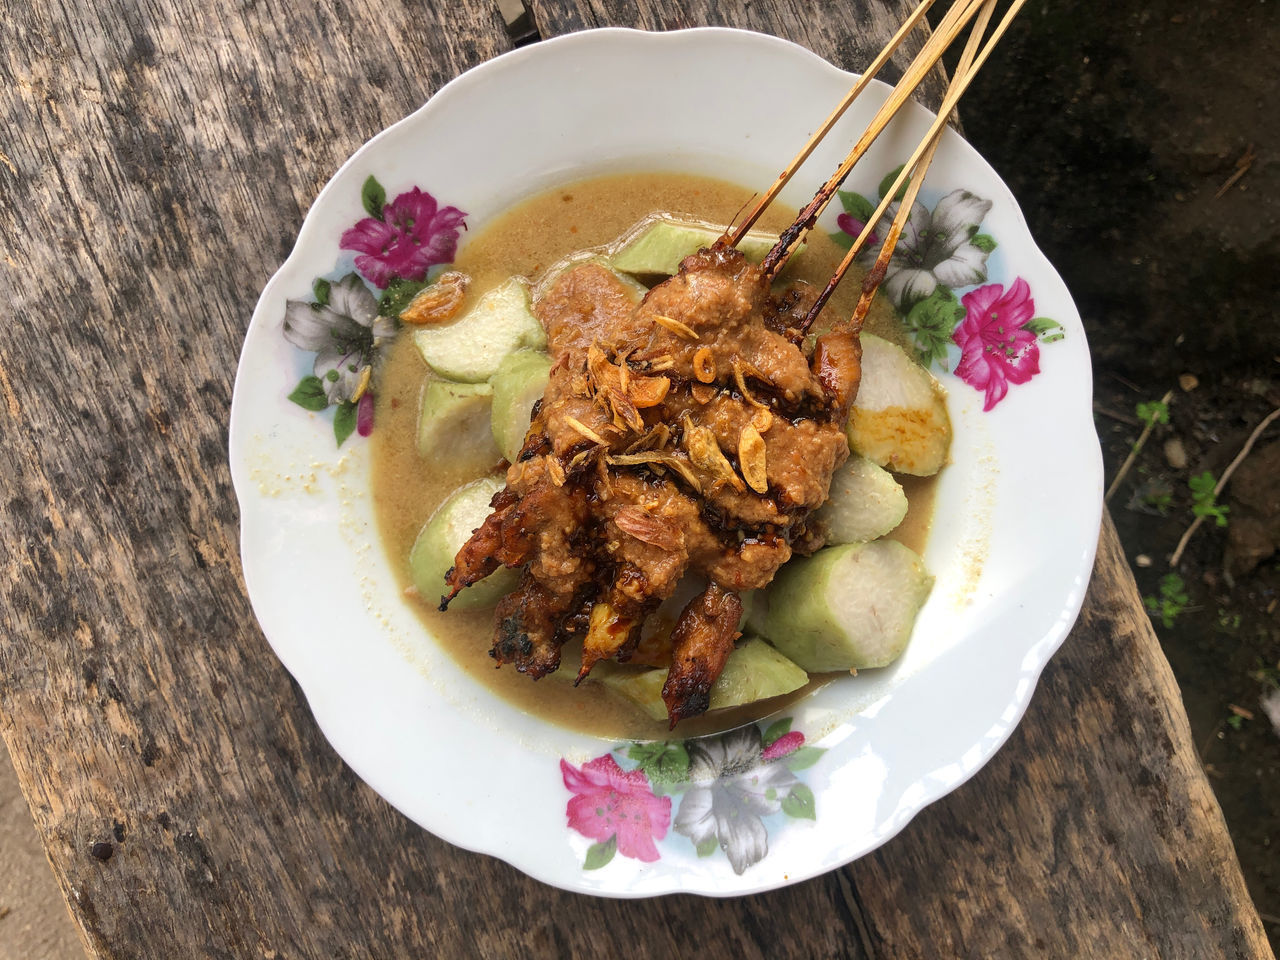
(956, 19)
(735, 234)
(917, 170)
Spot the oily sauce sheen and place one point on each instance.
(406, 489)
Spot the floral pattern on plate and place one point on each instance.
(941, 251)
(728, 784)
(346, 324)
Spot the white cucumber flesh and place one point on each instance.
(453, 426)
(899, 417)
(865, 503)
(850, 607)
(470, 349)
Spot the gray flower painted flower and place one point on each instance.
(935, 248)
(343, 334)
(731, 788)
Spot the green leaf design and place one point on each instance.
(666, 764)
(931, 322)
(309, 394)
(398, 294)
(1049, 331)
(344, 421)
(887, 183)
(984, 242)
(804, 758)
(856, 205)
(598, 854)
(776, 730)
(321, 291)
(708, 846)
(841, 239)
(373, 196)
(799, 803)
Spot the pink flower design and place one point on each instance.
(996, 348)
(414, 234)
(609, 801)
(784, 746)
(853, 227)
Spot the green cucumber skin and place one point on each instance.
(754, 662)
(658, 246)
(808, 623)
(520, 381)
(443, 535)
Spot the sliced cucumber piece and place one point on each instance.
(754, 671)
(453, 425)
(850, 607)
(442, 537)
(899, 419)
(865, 503)
(519, 383)
(657, 244)
(470, 349)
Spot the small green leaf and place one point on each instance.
(887, 183)
(856, 205)
(321, 291)
(666, 764)
(1204, 499)
(708, 846)
(984, 242)
(398, 294)
(598, 854)
(1154, 411)
(1235, 721)
(931, 322)
(777, 730)
(804, 758)
(309, 394)
(344, 421)
(799, 803)
(1049, 331)
(643, 753)
(373, 196)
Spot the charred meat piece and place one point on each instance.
(688, 433)
(700, 644)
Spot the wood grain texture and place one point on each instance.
(158, 159)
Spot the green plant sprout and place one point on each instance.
(1204, 498)
(1172, 601)
(1153, 412)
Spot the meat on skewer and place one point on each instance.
(690, 433)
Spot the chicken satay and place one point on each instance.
(701, 642)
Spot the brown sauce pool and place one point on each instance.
(406, 490)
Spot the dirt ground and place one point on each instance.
(34, 924)
(1141, 140)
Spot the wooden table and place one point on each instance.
(156, 164)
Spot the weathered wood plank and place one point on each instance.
(159, 160)
(848, 35)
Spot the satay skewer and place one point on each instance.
(952, 24)
(735, 233)
(915, 169)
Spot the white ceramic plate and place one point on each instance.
(842, 771)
